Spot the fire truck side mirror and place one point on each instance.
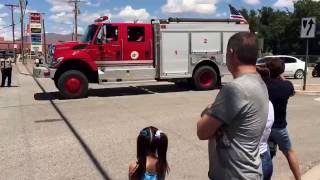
(99, 41)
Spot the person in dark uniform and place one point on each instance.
(6, 71)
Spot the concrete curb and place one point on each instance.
(312, 174)
(307, 92)
(311, 89)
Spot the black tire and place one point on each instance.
(299, 74)
(81, 89)
(55, 80)
(205, 78)
(315, 73)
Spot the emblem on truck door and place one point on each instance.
(134, 55)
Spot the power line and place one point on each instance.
(5, 27)
(5, 31)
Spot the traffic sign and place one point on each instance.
(308, 27)
(308, 30)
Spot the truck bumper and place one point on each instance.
(43, 72)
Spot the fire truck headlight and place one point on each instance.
(37, 62)
(59, 59)
(56, 61)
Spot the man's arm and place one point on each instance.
(228, 103)
(207, 127)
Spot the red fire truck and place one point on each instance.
(174, 49)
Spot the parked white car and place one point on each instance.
(294, 67)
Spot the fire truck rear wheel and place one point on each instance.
(73, 84)
(205, 78)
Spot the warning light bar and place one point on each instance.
(101, 19)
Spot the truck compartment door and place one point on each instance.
(205, 42)
(174, 54)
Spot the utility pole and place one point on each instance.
(12, 20)
(44, 41)
(76, 12)
(22, 9)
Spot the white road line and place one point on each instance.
(317, 99)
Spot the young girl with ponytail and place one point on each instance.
(151, 164)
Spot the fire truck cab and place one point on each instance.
(174, 49)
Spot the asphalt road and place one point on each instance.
(43, 136)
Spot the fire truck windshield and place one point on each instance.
(89, 33)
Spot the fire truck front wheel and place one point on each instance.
(73, 84)
(205, 78)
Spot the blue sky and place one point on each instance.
(59, 17)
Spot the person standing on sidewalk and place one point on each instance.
(6, 71)
(234, 123)
(267, 166)
(280, 91)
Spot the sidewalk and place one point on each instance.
(21, 68)
(312, 174)
(312, 89)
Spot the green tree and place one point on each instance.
(303, 8)
(252, 19)
(280, 29)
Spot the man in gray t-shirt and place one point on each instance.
(234, 123)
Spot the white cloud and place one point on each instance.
(28, 10)
(124, 14)
(62, 11)
(89, 18)
(219, 15)
(89, 3)
(7, 33)
(2, 15)
(283, 3)
(252, 2)
(60, 6)
(62, 17)
(189, 6)
(2, 22)
(62, 30)
(129, 14)
(80, 30)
